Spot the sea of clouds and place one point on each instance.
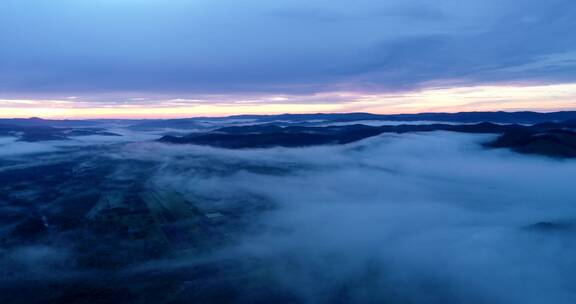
(414, 218)
(411, 218)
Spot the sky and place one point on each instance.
(181, 58)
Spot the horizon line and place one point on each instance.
(292, 113)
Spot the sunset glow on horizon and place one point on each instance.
(542, 98)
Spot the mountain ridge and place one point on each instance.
(472, 116)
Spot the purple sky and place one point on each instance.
(184, 58)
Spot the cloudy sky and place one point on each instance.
(175, 58)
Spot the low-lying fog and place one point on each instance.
(425, 218)
(413, 218)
